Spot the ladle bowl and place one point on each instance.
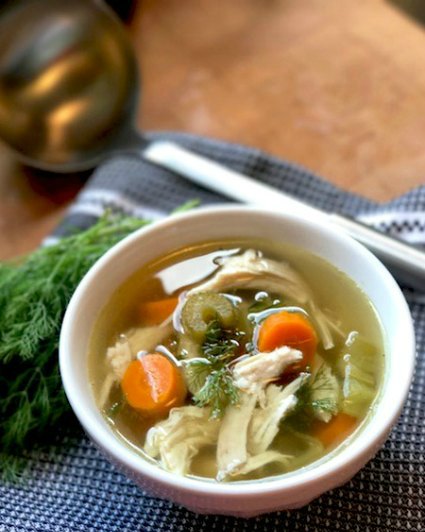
(68, 83)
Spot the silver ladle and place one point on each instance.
(69, 91)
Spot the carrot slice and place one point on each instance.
(153, 385)
(288, 328)
(155, 312)
(338, 428)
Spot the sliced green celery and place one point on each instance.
(357, 397)
(355, 372)
(360, 353)
(202, 308)
(358, 367)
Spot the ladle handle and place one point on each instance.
(405, 262)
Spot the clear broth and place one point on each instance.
(176, 271)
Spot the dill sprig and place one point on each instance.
(219, 343)
(34, 294)
(187, 206)
(323, 391)
(218, 392)
(317, 398)
(211, 376)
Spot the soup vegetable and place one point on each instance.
(236, 360)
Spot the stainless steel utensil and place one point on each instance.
(68, 99)
(68, 83)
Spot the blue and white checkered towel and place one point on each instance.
(74, 488)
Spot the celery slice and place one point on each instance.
(360, 375)
(360, 353)
(358, 368)
(201, 308)
(357, 397)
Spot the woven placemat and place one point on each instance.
(74, 488)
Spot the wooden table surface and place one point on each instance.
(336, 85)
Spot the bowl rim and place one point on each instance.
(356, 451)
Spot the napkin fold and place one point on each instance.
(75, 488)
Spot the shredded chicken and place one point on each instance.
(246, 432)
(253, 373)
(260, 460)
(232, 437)
(265, 421)
(147, 338)
(250, 270)
(106, 389)
(176, 440)
(119, 357)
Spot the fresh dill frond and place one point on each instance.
(187, 206)
(196, 372)
(319, 396)
(326, 405)
(320, 380)
(209, 379)
(219, 343)
(12, 467)
(34, 294)
(218, 392)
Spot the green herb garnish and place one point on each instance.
(210, 377)
(219, 343)
(218, 392)
(187, 206)
(34, 294)
(324, 391)
(318, 397)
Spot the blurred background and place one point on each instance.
(335, 85)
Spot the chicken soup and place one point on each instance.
(236, 360)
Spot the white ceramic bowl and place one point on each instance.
(255, 497)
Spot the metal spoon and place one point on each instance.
(68, 99)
